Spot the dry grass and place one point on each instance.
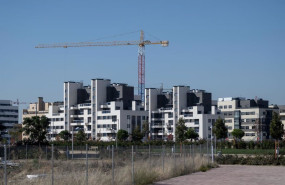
(100, 171)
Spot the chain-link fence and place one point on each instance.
(99, 165)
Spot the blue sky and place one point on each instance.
(227, 47)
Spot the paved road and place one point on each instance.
(233, 175)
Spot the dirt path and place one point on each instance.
(233, 175)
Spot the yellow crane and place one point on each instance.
(141, 53)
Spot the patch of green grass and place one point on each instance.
(251, 151)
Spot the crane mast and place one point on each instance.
(141, 54)
(141, 67)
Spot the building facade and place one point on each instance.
(101, 109)
(53, 111)
(166, 108)
(253, 116)
(8, 117)
(282, 114)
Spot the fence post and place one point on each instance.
(72, 143)
(174, 157)
(46, 153)
(208, 157)
(5, 165)
(163, 148)
(193, 156)
(183, 149)
(52, 164)
(149, 156)
(133, 168)
(26, 152)
(86, 164)
(67, 152)
(8, 157)
(113, 165)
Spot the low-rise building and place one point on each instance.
(282, 114)
(53, 111)
(253, 116)
(8, 117)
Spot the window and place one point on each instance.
(230, 106)
(225, 106)
(220, 107)
(209, 120)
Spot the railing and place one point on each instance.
(85, 104)
(106, 111)
(78, 121)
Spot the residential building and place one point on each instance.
(53, 111)
(282, 114)
(40, 108)
(8, 117)
(253, 116)
(101, 109)
(165, 109)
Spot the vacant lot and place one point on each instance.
(234, 175)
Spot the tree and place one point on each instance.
(65, 135)
(16, 133)
(80, 136)
(122, 135)
(238, 133)
(276, 127)
(180, 132)
(145, 128)
(137, 135)
(191, 134)
(219, 129)
(36, 128)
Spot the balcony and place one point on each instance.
(73, 107)
(164, 109)
(157, 125)
(106, 111)
(77, 122)
(85, 105)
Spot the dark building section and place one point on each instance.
(83, 95)
(200, 97)
(250, 103)
(112, 94)
(121, 92)
(162, 101)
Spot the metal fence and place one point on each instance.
(98, 164)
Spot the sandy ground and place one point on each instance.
(233, 175)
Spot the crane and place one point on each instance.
(141, 53)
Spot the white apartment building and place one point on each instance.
(165, 109)
(101, 109)
(252, 116)
(282, 114)
(55, 116)
(8, 117)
